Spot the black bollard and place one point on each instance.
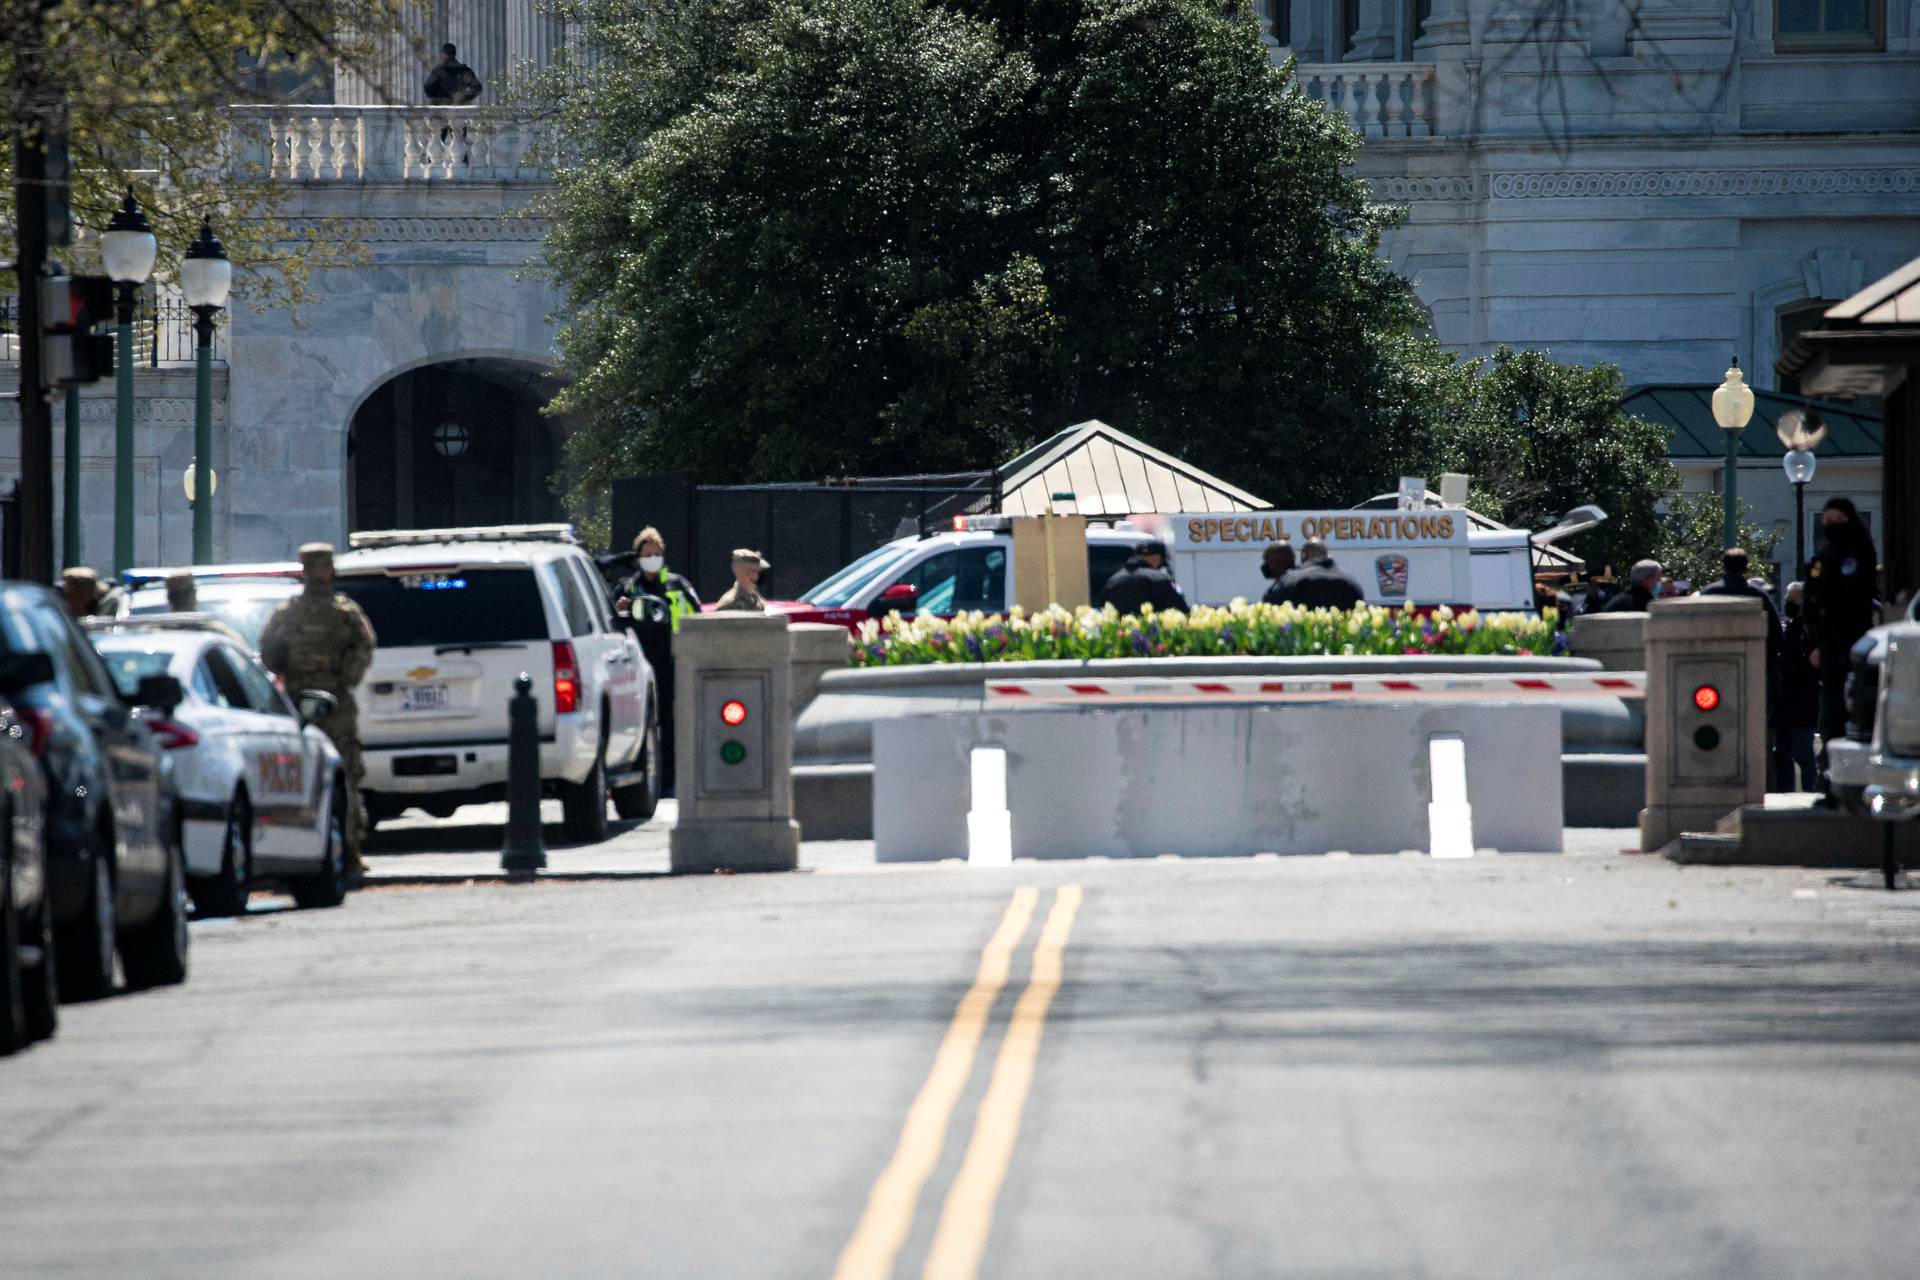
(525, 851)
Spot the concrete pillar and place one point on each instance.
(1446, 40)
(1617, 641)
(533, 36)
(733, 721)
(1706, 714)
(1373, 40)
(818, 647)
(394, 70)
(479, 28)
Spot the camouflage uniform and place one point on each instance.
(321, 640)
(744, 595)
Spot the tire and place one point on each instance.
(41, 986)
(639, 800)
(154, 952)
(584, 804)
(86, 946)
(327, 887)
(14, 1035)
(225, 894)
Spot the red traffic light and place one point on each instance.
(1706, 697)
(733, 712)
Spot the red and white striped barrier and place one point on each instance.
(1598, 684)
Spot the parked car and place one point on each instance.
(1874, 769)
(29, 996)
(457, 614)
(261, 792)
(113, 849)
(243, 596)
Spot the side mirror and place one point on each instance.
(314, 704)
(650, 611)
(162, 693)
(904, 595)
(24, 670)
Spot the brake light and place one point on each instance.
(172, 735)
(36, 725)
(566, 678)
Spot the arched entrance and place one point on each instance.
(462, 442)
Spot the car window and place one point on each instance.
(261, 694)
(203, 683)
(573, 604)
(963, 580)
(229, 690)
(1103, 561)
(244, 606)
(61, 643)
(128, 667)
(846, 584)
(463, 606)
(593, 590)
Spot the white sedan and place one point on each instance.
(261, 792)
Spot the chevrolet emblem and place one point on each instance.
(421, 673)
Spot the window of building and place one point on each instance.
(1418, 11)
(1823, 26)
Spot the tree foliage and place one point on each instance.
(143, 81)
(806, 237)
(1538, 437)
(1693, 534)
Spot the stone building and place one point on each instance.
(1658, 184)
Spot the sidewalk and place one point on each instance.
(466, 847)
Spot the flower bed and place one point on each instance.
(1237, 630)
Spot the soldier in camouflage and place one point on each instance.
(321, 640)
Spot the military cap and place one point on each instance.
(743, 555)
(313, 553)
(80, 573)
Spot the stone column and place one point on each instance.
(479, 28)
(1446, 40)
(533, 37)
(1374, 40)
(1706, 714)
(394, 70)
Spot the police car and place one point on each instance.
(261, 793)
(1875, 768)
(243, 596)
(457, 614)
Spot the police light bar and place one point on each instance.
(149, 575)
(982, 524)
(374, 538)
(157, 622)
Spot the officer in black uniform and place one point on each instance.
(1317, 583)
(1143, 580)
(1839, 608)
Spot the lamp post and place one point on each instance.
(1732, 409)
(1799, 465)
(206, 277)
(126, 251)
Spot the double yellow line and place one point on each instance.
(967, 1218)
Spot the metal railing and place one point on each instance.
(162, 332)
(325, 143)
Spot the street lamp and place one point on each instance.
(126, 251)
(187, 481)
(1732, 409)
(206, 277)
(1801, 438)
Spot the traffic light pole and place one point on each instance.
(123, 430)
(203, 435)
(36, 414)
(70, 549)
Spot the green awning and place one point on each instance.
(1686, 411)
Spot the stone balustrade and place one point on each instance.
(1379, 99)
(388, 144)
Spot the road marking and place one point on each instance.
(876, 1241)
(967, 1219)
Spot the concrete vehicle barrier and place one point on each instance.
(1706, 714)
(733, 715)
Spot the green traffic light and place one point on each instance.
(732, 751)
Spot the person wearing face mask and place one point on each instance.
(1840, 608)
(653, 578)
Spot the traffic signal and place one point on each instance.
(1709, 721)
(733, 741)
(72, 309)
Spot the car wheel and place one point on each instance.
(85, 946)
(154, 952)
(640, 799)
(584, 804)
(42, 985)
(14, 1035)
(226, 894)
(327, 887)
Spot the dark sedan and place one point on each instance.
(27, 984)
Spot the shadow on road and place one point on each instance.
(467, 837)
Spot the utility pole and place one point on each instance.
(30, 128)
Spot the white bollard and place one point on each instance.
(1449, 816)
(989, 825)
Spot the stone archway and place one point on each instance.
(454, 443)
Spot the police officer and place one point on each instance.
(80, 588)
(321, 640)
(1276, 562)
(1839, 609)
(1143, 580)
(1317, 583)
(744, 595)
(654, 580)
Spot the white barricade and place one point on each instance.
(1599, 684)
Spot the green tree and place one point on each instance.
(1538, 437)
(1693, 533)
(806, 237)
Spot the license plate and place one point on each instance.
(424, 697)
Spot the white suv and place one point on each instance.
(457, 615)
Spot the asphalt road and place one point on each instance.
(1319, 1067)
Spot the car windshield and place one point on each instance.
(129, 665)
(850, 581)
(449, 606)
(243, 606)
